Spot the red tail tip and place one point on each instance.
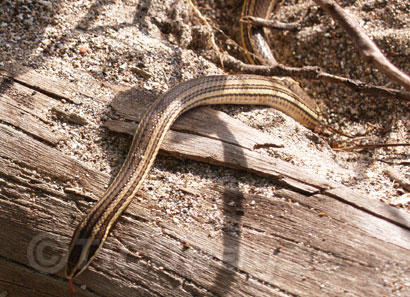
(70, 282)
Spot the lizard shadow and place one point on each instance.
(226, 266)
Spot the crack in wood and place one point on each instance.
(400, 223)
(40, 89)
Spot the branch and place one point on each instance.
(369, 146)
(367, 48)
(313, 73)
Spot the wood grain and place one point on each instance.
(313, 238)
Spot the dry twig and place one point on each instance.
(368, 146)
(314, 73)
(367, 48)
(203, 19)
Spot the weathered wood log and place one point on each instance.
(312, 238)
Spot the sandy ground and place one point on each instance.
(153, 45)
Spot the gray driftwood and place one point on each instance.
(320, 239)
